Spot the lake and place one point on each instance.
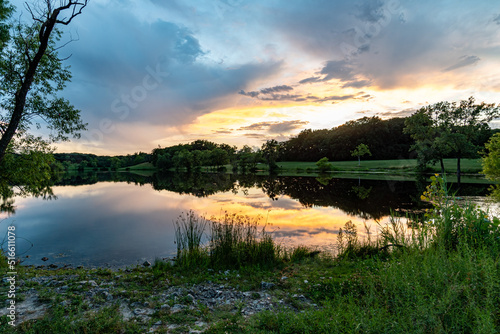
(123, 219)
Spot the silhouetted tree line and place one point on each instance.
(385, 138)
(101, 162)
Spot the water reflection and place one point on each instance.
(122, 218)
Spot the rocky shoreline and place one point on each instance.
(146, 300)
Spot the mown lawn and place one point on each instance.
(400, 165)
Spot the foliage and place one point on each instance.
(361, 150)
(83, 160)
(385, 138)
(193, 156)
(323, 165)
(454, 225)
(270, 151)
(5, 12)
(491, 162)
(31, 76)
(248, 159)
(450, 129)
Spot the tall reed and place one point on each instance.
(233, 241)
(189, 231)
(236, 241)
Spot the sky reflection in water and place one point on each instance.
(118, 223)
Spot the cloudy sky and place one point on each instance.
(162, 72)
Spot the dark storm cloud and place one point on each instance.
(135, 71)
(465, 61)
(385, 43)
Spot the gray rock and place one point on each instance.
(143, 311)
(165, 307)
(107, 295)
(266, 285)
(178, 308)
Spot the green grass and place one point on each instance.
(401, 165)
(141, 166)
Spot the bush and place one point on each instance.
(455, 225)
(323, 165)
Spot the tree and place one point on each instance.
(360, 151)
(219, 157)
(452, 129)
(491, 162)
(32, 73)
(270, 150)
(428, 141)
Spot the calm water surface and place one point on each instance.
(121, 219)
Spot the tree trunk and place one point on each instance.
(442, 166)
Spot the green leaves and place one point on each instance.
(361, 149)
(491, 162)
(449, 128)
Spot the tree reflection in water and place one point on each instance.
(368, 199)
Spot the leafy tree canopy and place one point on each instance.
(450, 129)
(361, 150)
(491, 162)
(32, 73)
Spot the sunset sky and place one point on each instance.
(162, 72)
